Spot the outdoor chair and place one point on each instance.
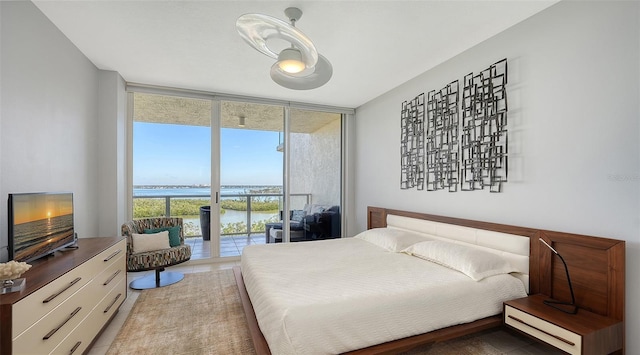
(148, 250)
(311, 223)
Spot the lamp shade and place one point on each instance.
(310, 78)
(290, 61)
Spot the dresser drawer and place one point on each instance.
(107, 258)
(104, 283)
(110, 255)
(81, 337)
(110, 303)
(57, 324)
(46, 299)
(559, 337)
(113, 272)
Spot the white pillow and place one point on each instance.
(149, 242)
(473, 262)
(391, 239)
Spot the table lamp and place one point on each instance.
(567, 307)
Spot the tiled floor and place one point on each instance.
(229, 245)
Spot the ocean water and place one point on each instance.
(200, 191)
(33, 233)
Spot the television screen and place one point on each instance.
(39, 224)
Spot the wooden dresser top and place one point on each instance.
(46, 269)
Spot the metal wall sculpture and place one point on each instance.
(441, 148)
(484, 133)
(412, 144)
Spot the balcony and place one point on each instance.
(230, 245)
(234, 234)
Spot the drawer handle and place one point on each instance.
(112, 303)
(111, 278)
(543, 331)
(75, 347)
(112, 255)
(50, 298)
(53, 331)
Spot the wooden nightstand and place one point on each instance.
(581, 333)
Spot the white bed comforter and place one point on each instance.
(332, 296)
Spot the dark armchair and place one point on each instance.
(309, 224)
(273, 231)
(324, 225)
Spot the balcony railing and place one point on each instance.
(298, 200)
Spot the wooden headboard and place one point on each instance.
(596, 265)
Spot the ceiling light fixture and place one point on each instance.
(290, 60)
(299, 67)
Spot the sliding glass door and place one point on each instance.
(236, 171)
(274, 159)
(251, 174)
(171, 163)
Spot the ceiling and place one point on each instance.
(197, 112)
(373, 46)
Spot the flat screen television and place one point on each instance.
(39, 224)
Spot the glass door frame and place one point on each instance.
(286, 174)
(216, 119)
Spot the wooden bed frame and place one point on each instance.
(597, 268)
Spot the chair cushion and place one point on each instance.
(174, 234)
(150, 242)
(159, 258)
(139, 225)
(297, 215)
(295, 226)
(294, 235)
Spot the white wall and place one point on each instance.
(49, 115)
(112, 153)
(50, 128)
(315, 163)
(574, 115)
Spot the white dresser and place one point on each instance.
(67, 301)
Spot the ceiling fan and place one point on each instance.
(298, 67)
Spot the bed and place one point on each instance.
(382, 292)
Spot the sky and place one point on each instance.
(167, 154)
(34, 207)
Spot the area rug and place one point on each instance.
(201, 314)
